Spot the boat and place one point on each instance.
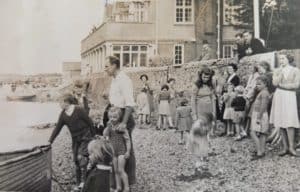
(29, 97)
(26, 170)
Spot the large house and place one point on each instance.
(137, 31)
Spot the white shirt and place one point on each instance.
(121, 91)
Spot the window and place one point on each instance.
(230, 12)
(131, 55)
(184, 11)
(228, 51)
(178, 54)
(132, 11)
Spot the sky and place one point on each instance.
(36, 36)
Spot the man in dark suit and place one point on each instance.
(253, 45)
(240, 46)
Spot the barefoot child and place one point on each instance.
(260, 118)
(99, 168)
(239, 106)
(183, 118)
(121, 144)
(164, 99)
(228, 112)
(199, 138)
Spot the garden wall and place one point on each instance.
(185, 76)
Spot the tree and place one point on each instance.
(279, 21)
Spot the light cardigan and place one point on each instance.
(251, 84)
(287, 78)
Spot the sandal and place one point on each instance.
(256, 157)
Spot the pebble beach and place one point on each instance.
(164, 166)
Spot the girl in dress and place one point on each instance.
(164, 98)
(99, 168)
(199, 138)
(260, 118)
(239, 105)
(228, 112)
(121, 144)
(183, 118)
(143, 106)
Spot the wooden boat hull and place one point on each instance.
(26, 170)
(21, 97)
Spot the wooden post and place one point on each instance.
(256, 18)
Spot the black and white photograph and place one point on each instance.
(150, 96)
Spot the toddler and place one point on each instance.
(239, 105)
(228, 112)
(199, 138)
(183, 118)
(99, 168)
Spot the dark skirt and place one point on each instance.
(131, 162)
(97, 181)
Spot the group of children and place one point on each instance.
(96, 157)
(237, 110)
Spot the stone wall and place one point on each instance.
(185, 76)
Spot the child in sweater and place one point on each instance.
(183, 118)
(199, 138)
(260, 118)
(239, 105)
(121, 144)
(99, 168)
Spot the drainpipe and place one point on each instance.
(218, 29)
(156, 27)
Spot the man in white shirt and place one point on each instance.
(121, 95)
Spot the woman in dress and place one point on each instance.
(203, 98)
(145, 85)
(284, 112)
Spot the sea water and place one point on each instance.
(16, 119)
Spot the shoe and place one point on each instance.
(293, 153)
(244, 134)
(238, 138)
(256, 157)
(181, 142)
(283, 153)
